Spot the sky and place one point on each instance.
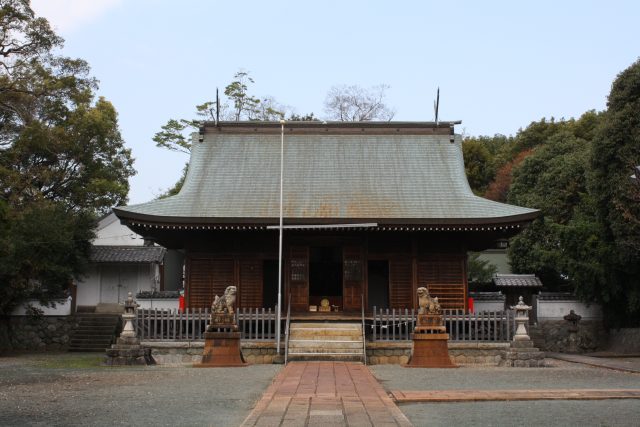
(499, 64)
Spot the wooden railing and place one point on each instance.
(364, 338)
(189, 325)
(487, 326)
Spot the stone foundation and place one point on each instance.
(461, 354)
(378, 353)
(188, 353)
(522, 354)
(29, 333)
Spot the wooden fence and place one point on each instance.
(398, 325)
(190, 324)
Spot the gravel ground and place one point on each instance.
(73, 390)
(528, 413)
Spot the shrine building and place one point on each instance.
(372, 211)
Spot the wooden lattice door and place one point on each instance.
(352, 277)
(299, 277)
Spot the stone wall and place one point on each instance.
(553, 335)
(43, 333)
(626, 340)
(388, 353)
(462, 354)
(379, 353)
(188, 353)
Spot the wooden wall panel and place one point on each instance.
(445, 277)
(250, 288)
(208, 277)
(400, 283)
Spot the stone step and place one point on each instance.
(92, 318)
(96, 327)
(95, 332)
(104, 338)
(91, 334)
(335, 357)
(324, 336)
(324, 350)
(315, 346)
(325, 353)
(312, 337)
(88, 349)
(93, 322)
(325, 325)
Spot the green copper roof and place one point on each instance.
(389, 178)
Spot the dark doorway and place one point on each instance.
(325, 275)
(378, 287)
(270, 283)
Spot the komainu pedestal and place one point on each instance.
(430, 343)
(222, 339)
(430, 337)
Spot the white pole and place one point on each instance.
(279, 311)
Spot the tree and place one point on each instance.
(478, 164)
(498, 189)
(479, 271)
(62, 159)
(616, 152)
(356, 104)
(175, 134)
(552, 179)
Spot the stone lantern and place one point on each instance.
(522, 353)
(573, 320)
(127, 349)
(128, 335)
(522, 317)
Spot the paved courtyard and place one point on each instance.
(73, 390)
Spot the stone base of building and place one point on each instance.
(221, 349)
(176, 353)
(180, 353)
(522, 354)
(127, 352)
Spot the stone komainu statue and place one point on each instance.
(426, 304)
(225, 303)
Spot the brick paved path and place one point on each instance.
(511, 395)
(325, 394)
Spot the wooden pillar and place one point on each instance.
(414, 271)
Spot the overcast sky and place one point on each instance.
(499, 65)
